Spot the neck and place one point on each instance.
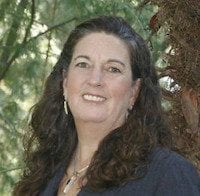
(89, 137)
(90, 134)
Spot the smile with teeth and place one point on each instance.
(93, 98)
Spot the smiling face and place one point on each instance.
(98, 85)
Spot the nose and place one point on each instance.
(95, 77)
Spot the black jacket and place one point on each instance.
(169, 174)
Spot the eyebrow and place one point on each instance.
(82, 56)
(108, 61)
(116, 61)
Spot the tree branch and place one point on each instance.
(167, 94)
(8, 64)
(5, 61)
(31, 21)
(17, 52)
(51, 28)
(143, 3)
(11, 38)
(9, 170)
(167, 72)
(49, 37)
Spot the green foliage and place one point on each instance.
(27, 56)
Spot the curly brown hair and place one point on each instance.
(123, 154)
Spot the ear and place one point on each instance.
(64, 73)
(135, 92)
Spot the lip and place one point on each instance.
(100, 97)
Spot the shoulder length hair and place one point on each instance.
(124, 152)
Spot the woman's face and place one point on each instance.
(98, 85)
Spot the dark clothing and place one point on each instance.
(169, 174)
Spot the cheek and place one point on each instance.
(74, 88)
(122, 90)
(71, 88)
(71, 84)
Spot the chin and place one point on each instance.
(93, 118)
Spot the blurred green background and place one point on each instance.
(32, 33)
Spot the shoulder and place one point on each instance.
(173, 174)
(165, 159)
(168, 174)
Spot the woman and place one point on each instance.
(98, 128)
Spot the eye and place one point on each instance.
(114, 70)
(82, 65)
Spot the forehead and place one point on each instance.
(102, 45)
